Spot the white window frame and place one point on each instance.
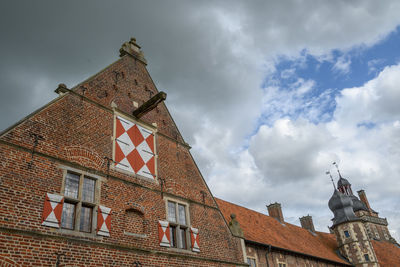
(177, 224)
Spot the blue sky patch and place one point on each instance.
(325, 77)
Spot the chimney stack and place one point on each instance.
(275, 210)
(363, 198)
(307, 223)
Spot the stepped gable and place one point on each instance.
(264, 229)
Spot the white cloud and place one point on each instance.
(211, 58)
(377, 101)
(342, 65)
(299, 152)
(289, 151)
(374, 64)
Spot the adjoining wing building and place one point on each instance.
(101, 176)
(358, 236)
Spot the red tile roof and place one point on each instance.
(388, 254)
(260, 228)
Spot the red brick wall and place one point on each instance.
(291, 259)
(35, 250)
(77, 131)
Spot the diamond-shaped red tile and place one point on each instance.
(135, 160)
(150, 142)
(119, 129)
(135, 135)
(119, 155)
(150, 165)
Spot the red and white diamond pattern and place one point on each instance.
(52, 210)
(164, 234)
(134, 148)
(103, 221)
(194, 234)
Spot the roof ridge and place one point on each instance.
(286, 223)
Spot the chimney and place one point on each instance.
(275, 210)
(363, 198)
(307, 223)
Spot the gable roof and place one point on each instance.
(388, 254)
(260, 228)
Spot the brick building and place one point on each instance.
(359, 237)
(102, 176)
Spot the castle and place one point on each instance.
(359, 237)
(101, 176)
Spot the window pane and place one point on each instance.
(182, 238)
(68, 216)
(346, 233)
(171, 212)
(182, 214)
(88, 190)
(172, 234)
(252, 262)
(86, 219)
(71, 185)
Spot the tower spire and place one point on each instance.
(333, 183)
(337, 168)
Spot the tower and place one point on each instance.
(376, 226)
(351, 235)
(344, 186)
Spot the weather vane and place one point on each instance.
(333, 183)
(337, 168)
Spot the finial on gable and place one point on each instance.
(133, 49)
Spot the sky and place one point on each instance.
(267, 93)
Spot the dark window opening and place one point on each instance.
(346, 233)
(172, 230)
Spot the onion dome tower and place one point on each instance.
(342, 207)
(351, 235)
(344, 187)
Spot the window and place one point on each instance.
(79, 202)
(178, 224)
(366, 256)
(134, 148)
(282, 264)
(251, 262)
(346, 234)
